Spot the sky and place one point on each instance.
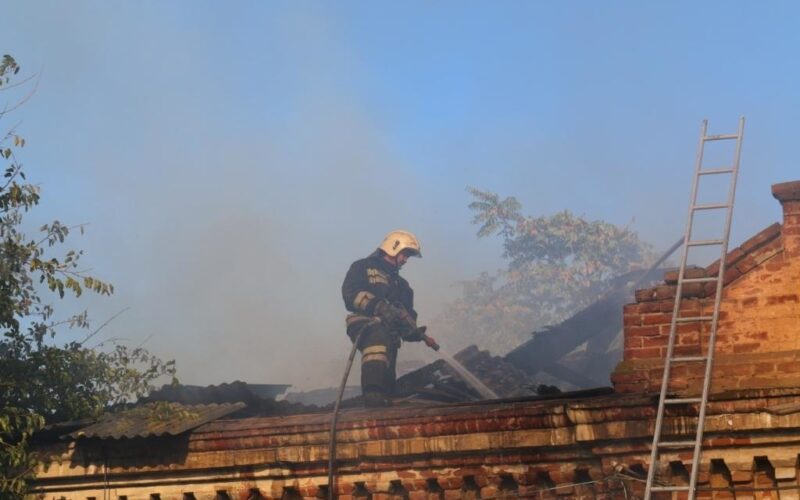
(232, 159)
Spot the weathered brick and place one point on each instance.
(631, 319)
(746, 263)
(781, 299)
(643, 331)
(741, 476)
(656, 319)
(692, 290)
(660, 341)
(749, 302)
(631, 308)
(687, 328)
(662, 292)
(649, 307)
(761, 238)
(632, 342)
(773, 251)
(567, 491)
(764, 368)
(689, 307)
(528, 491)
(686, 350)
(731, 274)
(489, 491)
(452, 482)
(668, 305)
(734, 369)
(453, 494)
(645, 295)
(730, 260)
(709, 289)
(646, 353)
(671, 277)
(787, 367)
(758, 336)
(633, 378)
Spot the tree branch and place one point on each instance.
(22, 101)
(20, 83)
(109, 320)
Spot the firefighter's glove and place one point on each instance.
(390, 315)
(415, 334)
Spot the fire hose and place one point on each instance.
(429, 341)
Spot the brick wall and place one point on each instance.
(788, 193)
(569, 448)
(758, 339)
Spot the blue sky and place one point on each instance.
(233, 158)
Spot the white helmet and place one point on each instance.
(399, 240)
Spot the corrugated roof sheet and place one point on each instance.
(155, 419)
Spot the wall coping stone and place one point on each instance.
(786, 191)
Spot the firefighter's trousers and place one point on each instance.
(378, 347)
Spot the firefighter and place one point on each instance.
(381, 305)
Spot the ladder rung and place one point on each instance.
(669, 488)
(690, 319)
(676, 444)
(710, 206)
(700, 243)
(700, 280)
(680, 401)
(683, 359)
(720, 137)
(714, 171)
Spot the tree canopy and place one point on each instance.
(44, 380)
(556, 265)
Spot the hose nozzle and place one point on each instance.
(430, 342)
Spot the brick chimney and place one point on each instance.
(758, 336)
(788, 193)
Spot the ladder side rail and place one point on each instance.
(675, 311)
(714, 322)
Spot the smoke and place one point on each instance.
(228, 240)
(234, 162)
(238, 256)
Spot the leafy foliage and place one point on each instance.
(557, 265)
(42, 380)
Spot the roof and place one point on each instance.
(237, 391)
(521, 438)
(597, 413)
(155, 419)
(437, 381)
(597, 324)
(512, 375)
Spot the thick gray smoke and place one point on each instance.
(234, 162)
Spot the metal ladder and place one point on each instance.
(707, 360)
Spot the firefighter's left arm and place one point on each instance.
(363, 289)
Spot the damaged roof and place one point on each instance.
(155, 419)
(514, 375)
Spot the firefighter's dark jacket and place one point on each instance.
(372, 280)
